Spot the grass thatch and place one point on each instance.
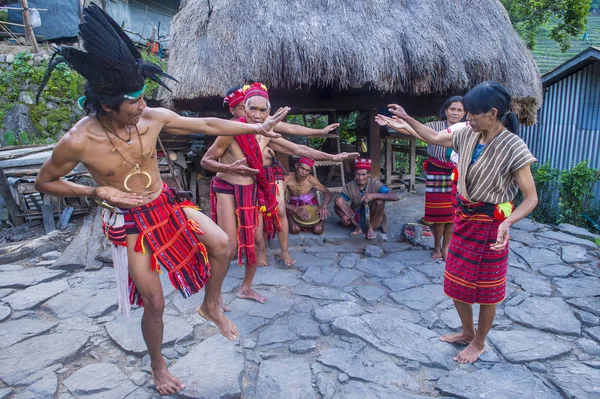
(415, 47)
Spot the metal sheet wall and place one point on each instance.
(568, 128)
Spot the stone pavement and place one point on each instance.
(352, 319)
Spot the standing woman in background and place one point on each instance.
(494, 165)
(438, 168)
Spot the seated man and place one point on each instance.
(302, 207)
(364, 189)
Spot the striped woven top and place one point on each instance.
(491, 178)
(437, 151)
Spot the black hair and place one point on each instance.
(448, 103)
(92, 105)
(234, 88)
(488, 95)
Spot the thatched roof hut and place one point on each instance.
(344, 54)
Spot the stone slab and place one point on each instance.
(380, 267)
(285, 379)
(556, 317)
(75, 255)
(328, 313)
(535, 285)
(591, 305)
(99, 380)
(557, 271)
(348, 261)
(420, 298)
(29, 249)
(524, 346)
(15, 331)
(368, 293)
(222, 380)
(382, 332)
(4, 312)
(583, 287)
(303, 326)
(499, 382)
(567, 238)
(373, 251)
(58, 348)
(277, 277)
(31, 297)
(577, 231)
(576, 380)
(572, 253)
(128, 334)
(529, 225)
(410, 279)
(537, 258)
(322, 293)
(28, 277)
(302, 347)
(275, 334)
(45, 387)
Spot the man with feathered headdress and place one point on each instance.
(149, 224)
(242, 182)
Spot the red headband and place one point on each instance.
(362, 164)
(234, 98)
(307, 161)
(255, 89)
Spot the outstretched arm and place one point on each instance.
(177, 124)
(421, 131)
(297, 130)
(287, 147)
(210, 160)
(64, 158)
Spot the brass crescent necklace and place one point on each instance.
(136, 166)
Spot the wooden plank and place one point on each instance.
(65, 216)
(47, 215)
(374, 145)
(9, 200)
(389, 166)
(413, 161)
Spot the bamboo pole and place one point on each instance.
(28, 28)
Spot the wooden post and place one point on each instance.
(9, 200)
(413, 161)
(374, 145)
(29, 36)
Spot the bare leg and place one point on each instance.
(438, 232)
(376, 207)
(246, 291)
(346, 215)
(477, 346)
(217, 245)
(148, 284)
(465, 312)
(294, 228)
(318, 229)
(260, 244)
(227, 222)
(282, 236)
(447, 238)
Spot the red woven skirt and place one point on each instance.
(474, 273)
(438, 193)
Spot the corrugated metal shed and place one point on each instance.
(568, 128)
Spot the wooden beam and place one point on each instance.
(374, 145)
(29, 35)
(9, 200)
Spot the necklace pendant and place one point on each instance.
(130, 142)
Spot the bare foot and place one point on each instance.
(470, 354)
(461, 337)
(225, 326)
(224, 307)
(371, 235)
(165, 383)
(287, 259)
(261, 259)
(251, 294)
(437, 255)
(356, 232)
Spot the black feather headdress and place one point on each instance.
(111, 63)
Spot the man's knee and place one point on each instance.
(221, 245)
(154, 304)
(318, 229)
(339, 201)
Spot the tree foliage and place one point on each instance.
(569, 18)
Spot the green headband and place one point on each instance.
(128, 96)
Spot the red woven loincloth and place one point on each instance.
(475, 273)
(438, 193)
(164, 228)
(246, 211)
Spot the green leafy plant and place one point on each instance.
(10, 138)
(576, 188)
(546, 185)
